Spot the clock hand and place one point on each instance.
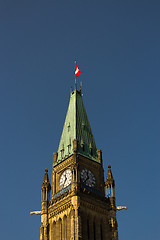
(64, 180)
(87, 177)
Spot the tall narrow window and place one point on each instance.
(44, 194)
(91, 151)
(62, 153)
(94, 231)
(88, 229)
(101, 231)
(69, 127)
(69, 148)
(60, 232)
(65, 227)
(53, 230)
(83, 148)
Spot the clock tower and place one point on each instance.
(78, 207)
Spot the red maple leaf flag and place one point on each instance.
(77, 71)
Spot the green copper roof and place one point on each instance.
(76, 126)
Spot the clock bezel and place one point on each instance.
(62, 186)
(85, 182)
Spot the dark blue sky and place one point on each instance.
(117, 46)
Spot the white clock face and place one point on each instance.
(88, 178)
(65, 179)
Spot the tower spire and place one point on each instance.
(76, 126)
(78, 208)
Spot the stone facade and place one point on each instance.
(78, 211)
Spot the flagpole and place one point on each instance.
(75, 83)
(75, 80)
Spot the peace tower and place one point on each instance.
(78, 207)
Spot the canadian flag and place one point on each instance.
(77, 71)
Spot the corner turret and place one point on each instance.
(110, 190)
(46, 187)
(110, 184)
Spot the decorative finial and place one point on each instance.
(80, 87)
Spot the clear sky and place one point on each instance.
(117, 46)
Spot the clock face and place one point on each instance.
(88, 178)
(65, 179)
